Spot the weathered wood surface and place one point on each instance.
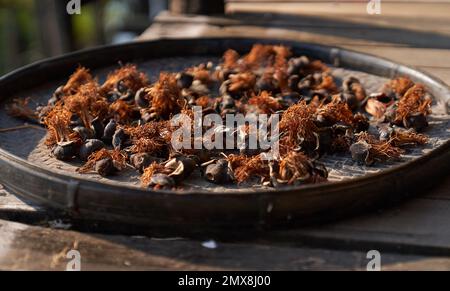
(403, 8)
(24, 247)
(415, 33)
(414, 227)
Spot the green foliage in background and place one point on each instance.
(18, 30)
(83, 26)
(23, 38)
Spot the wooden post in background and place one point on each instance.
(156, 6)
(203, 7)
(55, 31)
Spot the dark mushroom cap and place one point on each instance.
(218, 172)
(140, 99)
(109, 131)
(119, 139)
(361, 152)
(90, 147)
(182, 167)
(97, 127)
(105, 167)
(83, 132)
(143, 160)
(162, 180)
(65, 151)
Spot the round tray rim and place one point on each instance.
(71, 185)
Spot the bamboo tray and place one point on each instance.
(28, 171)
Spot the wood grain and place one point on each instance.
(398, 9)
(35, 248)
(318, 29)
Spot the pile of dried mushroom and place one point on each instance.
(124, 122)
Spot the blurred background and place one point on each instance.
(35, 29)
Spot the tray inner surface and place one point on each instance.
(28, 144)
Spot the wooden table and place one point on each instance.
(414, 235)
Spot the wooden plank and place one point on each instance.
(32, 248)
(429, 19)
(202, 30)
(416, 226)
(407, 55)
(307, 28)
(13, 208)
(399, 9)
(437, 25)
(304, 20)
(413, 227)
(441, 73)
